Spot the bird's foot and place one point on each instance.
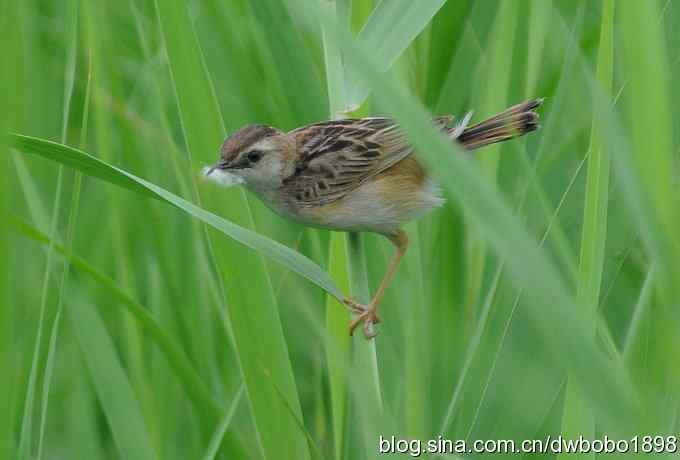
(366, 314)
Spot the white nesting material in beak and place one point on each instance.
(221, 177)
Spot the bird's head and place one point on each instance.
(256, 155)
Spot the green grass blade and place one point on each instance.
(7, 386)
(111, 384)
(366, 389)
(511, 340)
(578, 418)
(292, 64)
(9, 82)
(641, 308)
(193, 385)
(651, 162)
(447, 31)
(25, 441)
(299, 423)
(472, 348)
(253, 312)
(390, 29)
(338, 343)
(414, 313)
(218, 436)
(70, 71)
(36, 207)
(647, 96)
(538, 31)
(335, 73)
(365, 386)
(99, 169)
(493, 95)
(550, 307)
(594, 233)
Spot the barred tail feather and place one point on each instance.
(513, 122)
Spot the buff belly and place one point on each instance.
(381, 204)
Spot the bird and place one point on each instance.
(354, 175)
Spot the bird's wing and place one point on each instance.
(338, 156)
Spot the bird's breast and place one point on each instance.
(381, 204)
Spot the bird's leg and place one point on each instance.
(368, 314)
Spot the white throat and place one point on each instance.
(221, 177)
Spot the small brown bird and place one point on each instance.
(356, 175)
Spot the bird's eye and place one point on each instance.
(254, 156)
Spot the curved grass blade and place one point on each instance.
(193, 385)
(550, 306)
(95, 167)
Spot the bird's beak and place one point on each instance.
(223, 177)
(221, 165)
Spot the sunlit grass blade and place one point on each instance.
(94, 167)
(110, 382)
(578, 418)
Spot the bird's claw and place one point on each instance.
(366, 314)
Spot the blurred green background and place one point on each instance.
(541, 300)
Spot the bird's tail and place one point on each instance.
(513, 122)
